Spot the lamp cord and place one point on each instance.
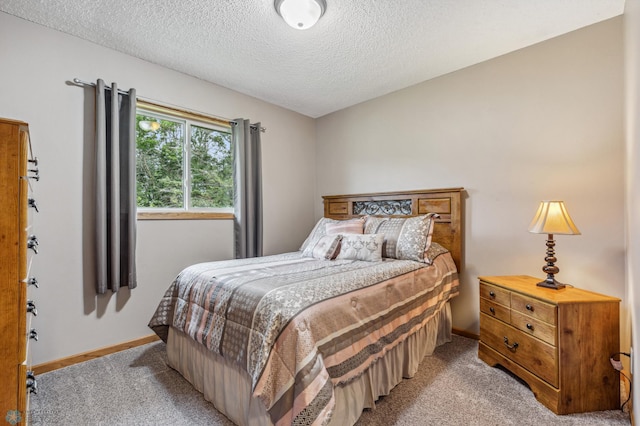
(617, 365)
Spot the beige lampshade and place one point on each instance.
(552, 218)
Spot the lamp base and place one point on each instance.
(550, 268)
(551, 283)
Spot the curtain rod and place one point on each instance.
(79, 82)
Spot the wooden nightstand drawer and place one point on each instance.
(536, 356)
(534, 308)
(495, 310)
(534, 327)
(496, 294)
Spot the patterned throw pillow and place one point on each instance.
(367, 247)
(324, 247)
(405, 238)
(434, 251)
(320, 228)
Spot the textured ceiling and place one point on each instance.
(357, 51)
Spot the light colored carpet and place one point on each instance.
(136, 387)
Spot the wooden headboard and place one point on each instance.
(446, 202)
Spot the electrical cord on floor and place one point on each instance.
(617, 365)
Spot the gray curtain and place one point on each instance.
(247, 194)
(115, 188)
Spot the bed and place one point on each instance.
(318, 335)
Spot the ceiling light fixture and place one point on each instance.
(149, 126)
(300, 14)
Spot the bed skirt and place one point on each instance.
(228, 387)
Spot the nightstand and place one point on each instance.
(558, 341)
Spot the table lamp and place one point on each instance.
(552, 218)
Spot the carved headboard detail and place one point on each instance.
(446, 202)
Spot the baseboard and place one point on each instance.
(86, 356)
(464, 333)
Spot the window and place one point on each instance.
(183, 163)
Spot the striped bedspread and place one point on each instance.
(299, 326)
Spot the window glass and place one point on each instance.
(211, 168)
(182, 164)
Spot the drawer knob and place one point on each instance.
(36, 174)
(32, 203)
(492, 310)
(512, 347)
(32, 243)
(529, 327)
(492, 294)
(33, 334)
(33, 281)
(32, 383)
(31, 307)
(529, 308)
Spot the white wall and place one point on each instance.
(632, 127)
(544, 122)
(36, 63)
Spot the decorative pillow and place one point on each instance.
(324, 247)
(373, 223)
(405, 238)
(320, 228)
(434, 251)
(353, 226)
(366, 247)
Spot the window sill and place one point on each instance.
(184, 216)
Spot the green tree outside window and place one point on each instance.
(175, 173)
